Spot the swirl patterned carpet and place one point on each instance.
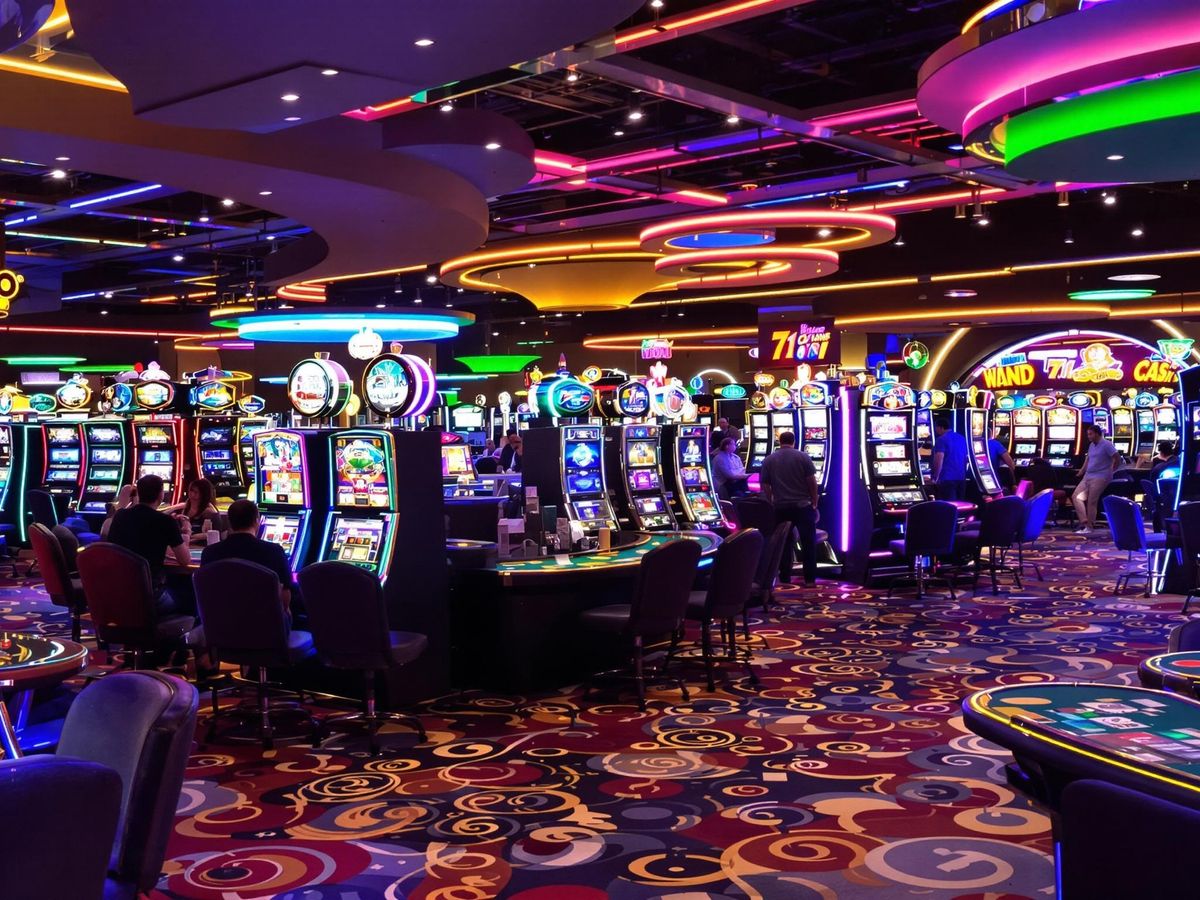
(849, 774)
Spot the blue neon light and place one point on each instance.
(857, 189)
(116, 195)
(340, 327)
(714, 239)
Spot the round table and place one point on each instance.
(29, 662)
(1178, 672)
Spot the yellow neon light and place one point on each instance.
(1107, 260)
(1174, 332)
(173, 298)
(685, 21)
(943, 351)
(57, 73)
(983, 14)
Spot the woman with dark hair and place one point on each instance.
(199, 507)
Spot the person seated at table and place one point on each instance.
(244, 543)
(728, 470)
(1166, 458)
(949, 464)
(126, 497)
(199, 508)
(514, 457)
(150, 533)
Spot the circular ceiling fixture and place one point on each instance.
(291, 327)
(960, 294)
(1135, 277)
(1110, 294)
(1094, 92)
(760, 246)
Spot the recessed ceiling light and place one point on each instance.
(984, 221)
(960, 293)
(264, 193)
(635, 115)
(424, 42)
(431, 279)
(657, 4)
(572, 76)
(104, 312)
(618, 133)
(108, 295)
(731, 119)
(204, 216)
(460, 290)
(447, 107)
(495, 334)
(1110, 200)
(418, 300)
(227, 202)
(1114, 157)
(1137, 232)
(899, 240)
(1136, 276)
(291, 118)
(381, 306)
(680, 314)
(449, 306)
(178, 257)
(62, 159)
(58, 174)
(824, 232)
(329, 71)
(491, 145)
(270, 237)
(522, 323)
(290, 98)
(1069, 238)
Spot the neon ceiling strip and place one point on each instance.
(118, 195)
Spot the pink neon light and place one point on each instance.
(545, 159)
(867, 115)
(845, 485)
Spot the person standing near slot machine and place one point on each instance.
(1002, 464)
(1100, 462)
(949, 466)
(724, 431)
(789, 482)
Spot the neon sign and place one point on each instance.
(787, 344)
(657, 348)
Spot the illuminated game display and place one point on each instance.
(63, 454)
(247, 427)
(1189, 448)
(1122, 430)
(758, 423)
(217, 455)
(105, 455)
(360, 526)
(1147, 429)
(583, 484)
(156, 451)
(283, 491)
(318, 388)
(637, 450)
(889, 449)
(981, 459)
(1166, 424)
(6, 464)
(1026, 435)
(459, 477)
(814, 436)
(1062, 435)
(694, 495)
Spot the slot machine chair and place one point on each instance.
(64, 590)
(1037, 510)
(1189, 552)
(930, 529)
(41, 509)
(1000, 529)
(729, 587)
(348, 616)
(1128, 531)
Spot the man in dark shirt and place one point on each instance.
(511, 455)
(789, 481)
(243, 542)
(150, 533)
(949, 467)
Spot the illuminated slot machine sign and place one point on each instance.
(814, 436)
(1061, 440)
(247, 428)
(63, 453)
(104, 450)
(700, 503)
(283, 492)
(981, 459)
(1166, 424)
(584, 486)
(360, 528)
(759, 424)
(643, 478)
(1026, 434)
(157, 453)
(216, 451)
(1122, 430)
(889, 448)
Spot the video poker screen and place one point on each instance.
(361, 472)
(649, 506)
(456, 460)
(644, 479)
(210, 435)
(358, 541)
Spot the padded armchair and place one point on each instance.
(1001, 525)
(245, 623)
(64, 590)
(929, 532)
(1128, 531)
(58, 839)
(1037, 510)
(122, 602)
(1189, 548)
(348, 617)
(140, 724)
(40, 507)
(69, 541)
(729, 588)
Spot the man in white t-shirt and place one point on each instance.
(1100, 462)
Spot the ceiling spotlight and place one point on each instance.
(449, 306)
(558, 315)
(418, 301)
(1070, 238)
(62, 159)
(731, 119)
(960, 294)
(680, 314)
(1064, 198)
(329, 72)
(291, 118)
(1140, 276)
(1110, 199)
(381, 306)
(657, 4)
(104, 312)
(460, 290)
(491, 145)
(108, 295)
(572, 76)
(290, 98)
(423, 42)
(955, 148)
(447, 107)
(227, 202)
(960, 210)
(984, 220)
(431, 279)
(824, 232)
(1138, 231)
(203, 215)
(495, 334)
(178, 257)
(58, 174)
(635, 115)
(899, 242)
(618, 133)
(1114, 157)
(264, 193)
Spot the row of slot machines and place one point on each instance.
(85, 462)
(810, 423)
(643, 477)
(1056, 433)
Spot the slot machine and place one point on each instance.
(247, 428)
(12, 470)
(286, 463)
(25, 465)
(889, 449)
(924, 438)
(1026, 434)
(1123, 430)
(1062, 436)
(1166, 424)
(633, 456)
(217, 452)
(359, 528)
(974, 424)
(815, 434)
(459, 477)
(1144, 449)
(692, 492)
(62, 452)
(106, 461)
(758, 423)
(156, 451)
(1002, 424)
(1189, 448)
(471, 422)
(566, 467)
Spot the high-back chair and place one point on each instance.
(729, 586)
(69, 542)
(58, 838)
(41, 508)
(657, 606)
(348, 616)
(1001, 526)
(929, 530)
(1037, 510)
(141, 724)
(63, 590)
(1189, 548)
(1128, 531)
(123, 604)
(245, 623)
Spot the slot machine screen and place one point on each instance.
(456, 460)
(1025, 449)
(583, 483)
(358, 541)
(893, 498)
(641, 453)
(154, 434)
(690, 451)
(104, 475)
(760, 448)
(361, 473)
(1165, 415)
(281, 530)
(989, 483)
(889, 468)
(216, 456)
(891, 451)
(815, 451)
(216, 435)
(61, 475)
(1061, 433)
(468, 420)
(1060, 415)
(163, 472)
(104, 434)
(68, 455)
(650, 506)
(281, 469)
(589, 510)
(694, 476)
(1059, 449)
(701, 503)
(1027, 417)
(157, 456)
(977, 448)
(644, 480)
(1025, 433)
(582, 454)
(813, 417)
(816, 434)
(62, 435)
(888, 428)
(101, 455)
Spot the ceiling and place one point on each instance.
(664, 112)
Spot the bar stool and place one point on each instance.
(1128, 531)
(929, 530)
(728, 592)
(1000, 527)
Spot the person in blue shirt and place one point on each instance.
(1002, 464)
(949, 466)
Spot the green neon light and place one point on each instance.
(497, 363)
(42, 360)
(1113, 294)
(442, 377)
(1132, 104)
(97, 370)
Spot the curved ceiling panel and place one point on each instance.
(228, 63)
(21, 19)
(369, 209)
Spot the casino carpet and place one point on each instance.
(848, 775)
